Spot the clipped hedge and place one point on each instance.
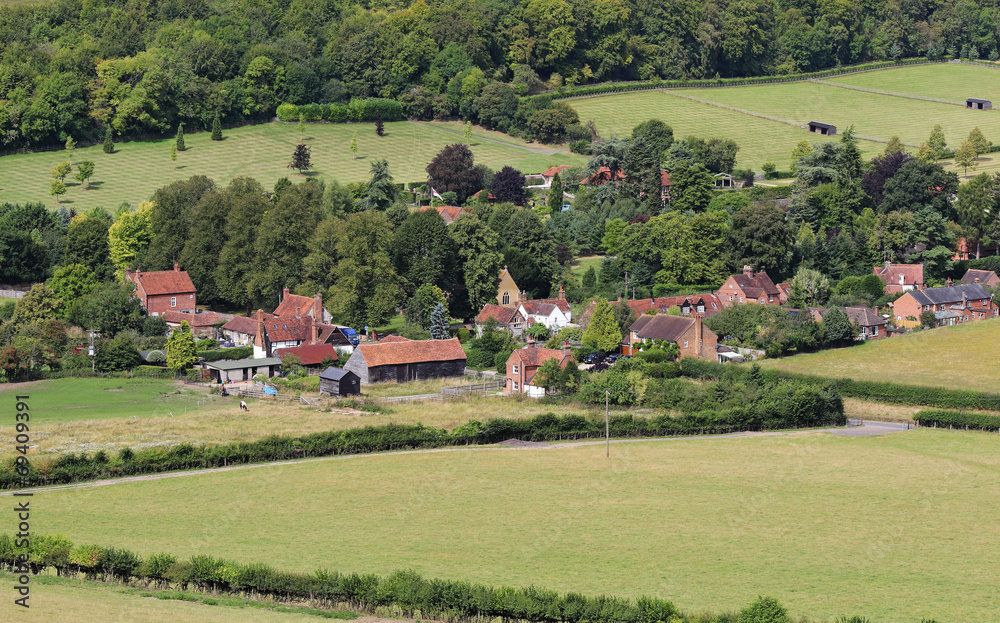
(365, 109)
(805, 407)
(878, 391)
(958, 419)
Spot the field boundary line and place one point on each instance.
(535, 150)
(884, 427)
(796, 124)
(853, 87)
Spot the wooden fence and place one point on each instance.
(475, 388)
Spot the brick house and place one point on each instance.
(872, 324)
(690, 334)
(703, 305)
(298, 306)
(901, 277)
(951, 305)
(523, 365)
(750, 287)
(407, 360)
(986, 278)
(164, 290)
(509, 318)
(203, 324)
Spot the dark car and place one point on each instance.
(593, 358)
(612, 358)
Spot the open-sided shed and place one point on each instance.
(339, 382)
(822, 128)
(978, 104)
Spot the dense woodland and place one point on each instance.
(75, 68)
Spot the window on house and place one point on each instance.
(173, 301)
(770, 299)
(714, 306)
(741, 299)
(685, 343)
(515, 385)
(506, 298)
(515, 369)
(874, 331)
(730, 297)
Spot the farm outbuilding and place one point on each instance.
(822, 128)
(339, 382)
(228, 371)
(407, 360)
(978, 104)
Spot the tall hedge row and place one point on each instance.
(879, 391)
(801, 407)
(404, 589)
(367, 109)
(235, 353)
(958, 419)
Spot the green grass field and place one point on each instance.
(896, 528)
(262, 151)
(71, 399)
(61, 599)
(952, 81)
(959, 357)
(760, 140)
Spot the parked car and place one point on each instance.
(593, 358)
(613, 357)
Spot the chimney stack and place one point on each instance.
(887, 264)
(314, 331)
(567, 351)
(748, 270)
(177, 267)
(948, 282)
(318, 307)
(698, 331)
(976, 280)
(284, 294)
(562, 294)
(522, 296)
(531, 343)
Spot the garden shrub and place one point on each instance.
(958, 419)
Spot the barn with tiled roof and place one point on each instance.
(411, 360)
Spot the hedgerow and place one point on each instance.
(785, 407)
(365, 109)
(958, 419)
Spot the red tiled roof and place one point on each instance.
(529, 357)
(203, 319)
(562, 304)
(863, 315)
(310, 355)
(755, 285)
(662, 327)
(551, 171)
(479, 192)
(164, 282)
(602, 176)
(389, 339)
(243, 324)
(665, 179)
(503, 315)
(288, 329)
(448, 213)
(664, 303)
(913, 274)
(984, 276)
(411, 351)
(538, 308)
(295, 306)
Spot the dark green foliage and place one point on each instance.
(118, 353)
(439, 322)
(454, 169)
(508, 186)
(154, 326)
(301, 158)
(109, 309)
(179, 141)
(216, 128)
(109, 143)
(763, 610)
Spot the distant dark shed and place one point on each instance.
(822, 128)
(339, 382)
(978, 104)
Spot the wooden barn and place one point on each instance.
(822, 128)
(407, 360)
(978, 104)
(339, 382)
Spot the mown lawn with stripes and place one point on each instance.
(760, 140)
(263, 152)
(952, 81)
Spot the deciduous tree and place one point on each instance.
(603, 333)
(454, 169)
(301, 158)
(181, 350)
(508, 186)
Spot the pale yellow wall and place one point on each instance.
(508, 287)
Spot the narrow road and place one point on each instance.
(867, 429)
(534, 150)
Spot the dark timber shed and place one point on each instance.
(407, 360)
(978, 104)
(339, 382)
(822, 128)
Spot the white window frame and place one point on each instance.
(685, 343)
(173, 301)
(515, 386)
(515, 370)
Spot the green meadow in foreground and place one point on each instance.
(263, 152)
(896, 527)
(959, 357)
(71, 399)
